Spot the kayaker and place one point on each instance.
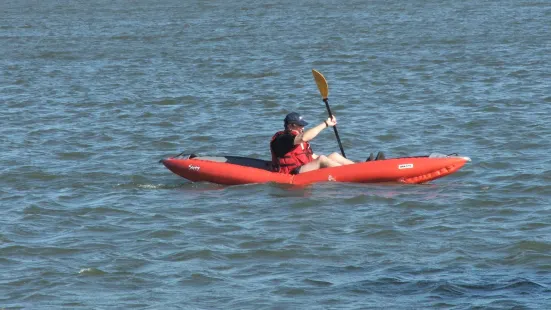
(291, 152)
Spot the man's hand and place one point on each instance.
(332, 121)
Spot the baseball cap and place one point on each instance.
(295, 118)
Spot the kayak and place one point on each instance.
(234, 170)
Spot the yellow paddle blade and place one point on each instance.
(322, 84)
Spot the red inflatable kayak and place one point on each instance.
(233, 170)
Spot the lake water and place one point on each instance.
(94, 93)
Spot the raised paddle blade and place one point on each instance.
(322, 84)
(324, 90)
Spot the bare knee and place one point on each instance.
(325, 162)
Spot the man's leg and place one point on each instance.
(321, 162)
(341, 160)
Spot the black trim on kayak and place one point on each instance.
(267, 165)
(236, 160)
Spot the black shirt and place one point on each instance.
(283, 144)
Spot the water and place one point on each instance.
(93, 94)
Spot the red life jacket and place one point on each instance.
(299, 155)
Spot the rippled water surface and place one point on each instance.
(94, 93)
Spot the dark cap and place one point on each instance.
(295, 118)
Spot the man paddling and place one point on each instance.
(291, 152)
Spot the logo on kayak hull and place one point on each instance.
(194, 168)
(405, 166)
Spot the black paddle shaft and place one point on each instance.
(334, 127)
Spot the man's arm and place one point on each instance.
(314, 131)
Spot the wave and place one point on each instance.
(91, 272)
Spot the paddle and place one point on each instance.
(324, 91)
